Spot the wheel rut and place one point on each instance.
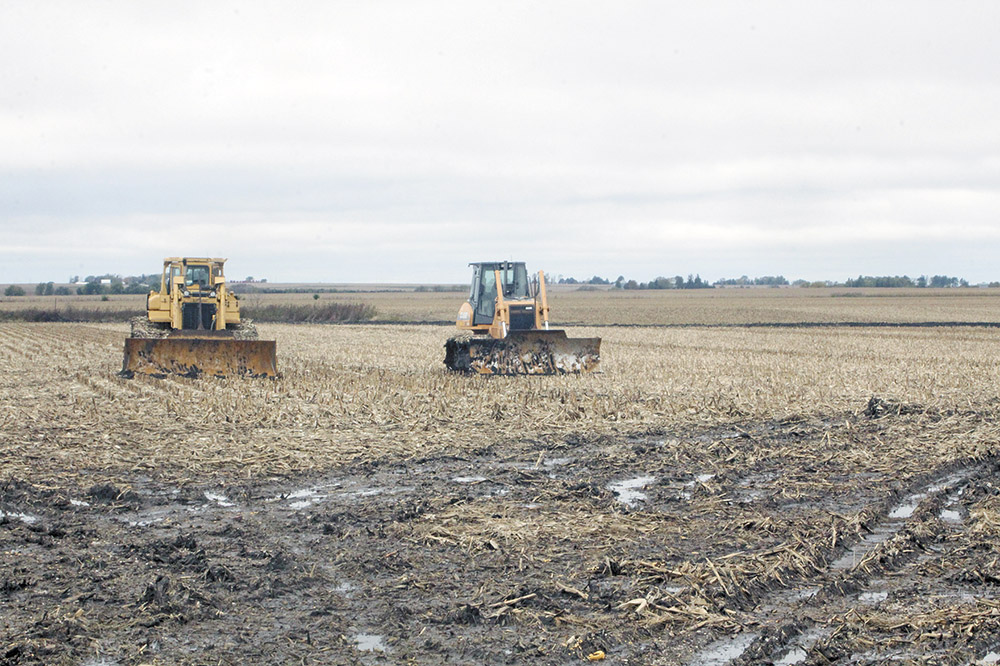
(800, 624)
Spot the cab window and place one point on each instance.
(474, 289)
(196, 275)
(488, 288)
(515, 281)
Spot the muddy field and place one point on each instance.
(759, 496)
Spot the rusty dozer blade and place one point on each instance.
(192, 357)
(524, 353)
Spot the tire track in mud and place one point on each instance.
(796, 621)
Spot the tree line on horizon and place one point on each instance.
(696, 282)
(103, 285)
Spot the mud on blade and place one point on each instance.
(221, 357)
(524, 353)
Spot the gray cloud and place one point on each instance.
(398, 141)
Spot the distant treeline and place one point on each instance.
(905, 281)
(695, 282)
(100, 285)
(676, 282)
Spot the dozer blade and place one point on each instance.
(524, 353)
(221, 357)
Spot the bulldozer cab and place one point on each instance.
(191, 274)
(483, 294)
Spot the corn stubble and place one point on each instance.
(367, 391)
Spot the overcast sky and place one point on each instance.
(398, 141)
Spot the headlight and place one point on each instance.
(212, 294)
(186, 293)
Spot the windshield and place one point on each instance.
(197, 275)
(515, 281)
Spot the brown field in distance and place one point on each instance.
(571, 305)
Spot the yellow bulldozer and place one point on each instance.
(506, 328)
(193, 327)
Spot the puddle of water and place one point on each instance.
(469, 479)
(794, 656)
(950, 516)
(25, 518)
(315, 497)
(99, 662)
(909, 505)
(860, 550)
(947, 482)
(991, 658)
(345, 586)
(701, 478)
(370, 642)
(801, 645)
(151, 516)
(532, 505)
(76, 502)
(723, 651)
(806, 593)
(906, 508)
(903, 510)
(626, 490)
(557, 462)
(873, 597)
(144, 523)
(303, 497)
(218, 498)
(311, 494)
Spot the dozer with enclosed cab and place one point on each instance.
(193, 327)
(506, 328)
